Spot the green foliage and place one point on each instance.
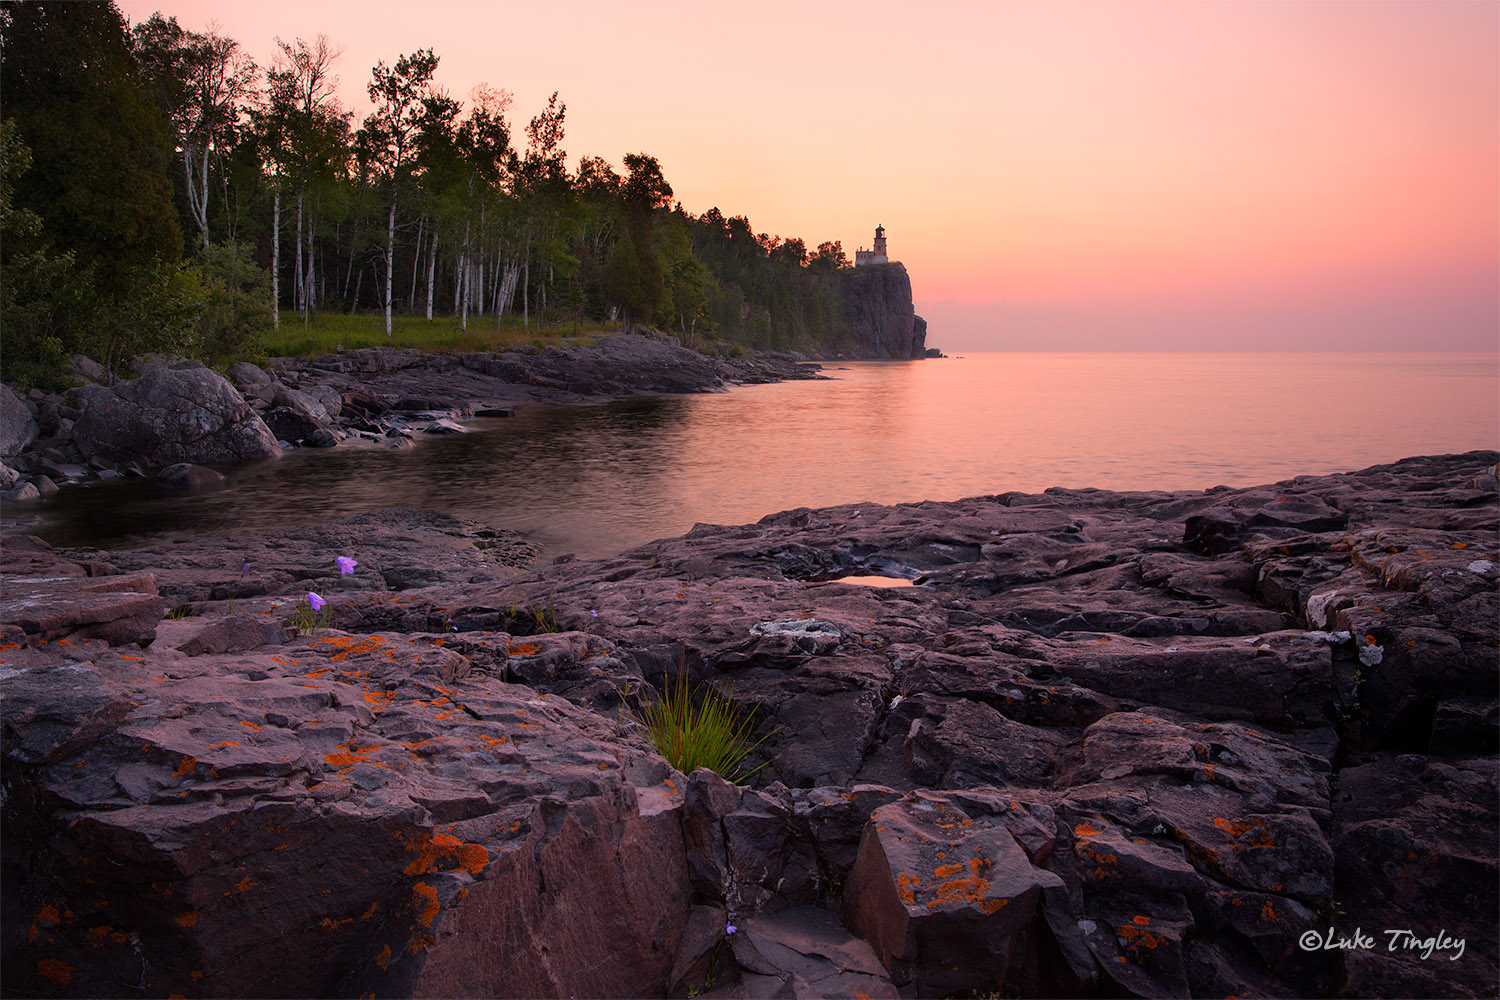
(305, 621)
(99, 145)
(236, 300)
(699, 728)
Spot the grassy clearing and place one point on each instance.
(329, 332)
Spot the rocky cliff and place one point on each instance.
(880, 315)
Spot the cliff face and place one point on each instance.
(878, 309)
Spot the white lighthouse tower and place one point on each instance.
(876, 256)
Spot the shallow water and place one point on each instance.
(595, 479)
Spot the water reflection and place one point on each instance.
(598, 478)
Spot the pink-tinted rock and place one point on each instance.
(947, 901)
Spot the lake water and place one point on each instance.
(595, 479)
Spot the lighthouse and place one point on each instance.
(876, 256)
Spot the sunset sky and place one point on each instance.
(1055, 175)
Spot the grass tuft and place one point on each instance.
(696, 728)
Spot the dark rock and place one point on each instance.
(250, 380)
(323, 437)
(187, 476)
(947, 900)
(807, 952)
(233, 634)
(168, 416)
(86, 369)
(18, 428)
(24, 493)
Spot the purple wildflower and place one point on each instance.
(315, 602)
(593, 613)
(346, 565)
(244, 569)
(730, 928)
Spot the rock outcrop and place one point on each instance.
(1108, 744)
(879, 311)
(187, 414)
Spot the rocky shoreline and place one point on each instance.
(179, 418)
(1239, 742)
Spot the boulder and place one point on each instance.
(296, 415)
(171, 415)
(945, 899)
(18, 428)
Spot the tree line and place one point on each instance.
(160, 190)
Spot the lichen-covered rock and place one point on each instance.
(1179, 754)
(946, 900)
(171, 415)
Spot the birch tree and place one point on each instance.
(202, 82)
(388, 138)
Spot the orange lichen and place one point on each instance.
(47, 914)
(249, 725)
(1249, 833)
(187, 918)
(1140, 921)
(186, 768)
(225, 743)
(51, 968)
(384, 958)
(1268, 913)
(347, 755)
(1085, 829)
(943, 871)
(906, 884)
(244, 884)
(427, 903)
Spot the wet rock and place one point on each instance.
(24, 493)
(187, 476)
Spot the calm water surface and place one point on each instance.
(595, 479)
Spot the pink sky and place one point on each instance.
(1055, 175)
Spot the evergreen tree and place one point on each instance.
(76, 95)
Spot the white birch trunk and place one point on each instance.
(416, 264)
(297, 285)
(390, 259)
(431, 270)
(276, 259)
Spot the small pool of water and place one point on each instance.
(874, 581)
